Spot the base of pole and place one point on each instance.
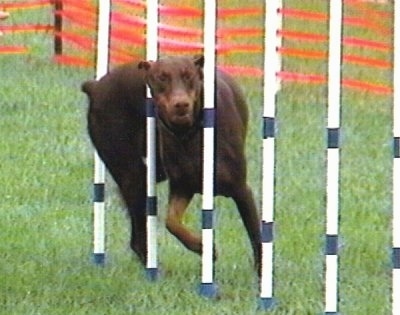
(208, 290)
(331, 313)
(266, 304)
(99, 259)
(152, 274)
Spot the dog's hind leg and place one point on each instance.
(133, 190)
(245, 203)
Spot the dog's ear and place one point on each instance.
(145, 65)
(199, 61)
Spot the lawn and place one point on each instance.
(46, 174)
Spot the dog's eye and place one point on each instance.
(163, 77)
(186, 76)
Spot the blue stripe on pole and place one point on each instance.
(150, 108)
(208, 290)
(267, 303)
(151, 205)
(331, 245)
(207, 219)
(209, 117)
(396, 258)
(268, 127)
(152, 274)
(99, 259)
(333, 138)
(396, 147)
(267, 232)
(98, 192)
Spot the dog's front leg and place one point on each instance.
(177, 206)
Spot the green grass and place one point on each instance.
(46, 212)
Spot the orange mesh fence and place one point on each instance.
(369, 46)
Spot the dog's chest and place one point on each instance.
(183, 159)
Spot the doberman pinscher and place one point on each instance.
(176, 85)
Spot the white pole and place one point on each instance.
(208, 287)
(279, 41)
(333, 157)
(272, 64)
(396, 164)
(103, 39)
(151, 204)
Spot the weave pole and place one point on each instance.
(151, 202)
(333, 157)
(272, 64)
(207, 287)
(102, 58)
(396, 164)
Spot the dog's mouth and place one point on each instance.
(178, 123)
(181, 120)
(178, 119)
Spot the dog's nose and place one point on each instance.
(181, 105)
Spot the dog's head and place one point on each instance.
(176, 85)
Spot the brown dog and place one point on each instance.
(176, 84)
(117, 128)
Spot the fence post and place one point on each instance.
(58, 24)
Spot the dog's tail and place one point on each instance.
(87, 87)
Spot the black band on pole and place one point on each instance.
(396, 258)
(209, 117)
(268, 127)
(333, 138)
(151, 205)
(267, 232)
(396, 147)
(150, 108)
(331, 246)
(207, 219)
(98, 192)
